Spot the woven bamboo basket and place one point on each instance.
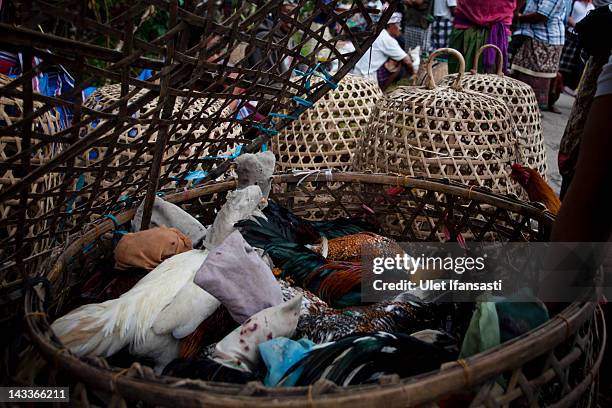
(202, 143)
(442, 132)
(326, 136)
(571, 344)
(194, 63)
(520, 99)
(11, 147)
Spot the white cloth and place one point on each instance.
(580, 10)
(383, 48)
(441, 8)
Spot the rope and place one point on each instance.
(35, 314)
(567, 325)
(116, 376)
(466, 371)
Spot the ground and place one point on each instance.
(553, 127)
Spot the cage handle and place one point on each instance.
(500, 59)
(431, 84)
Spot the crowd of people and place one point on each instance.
(537, 38)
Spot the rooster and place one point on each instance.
(362, 359)
(537, 189)
(336, 282)
(305, 232)
(399, 317)
(151, 318)
(164, 307)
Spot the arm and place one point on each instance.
(585, 214)
(532, 18)
(407, 61)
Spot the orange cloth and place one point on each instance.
(147, 249)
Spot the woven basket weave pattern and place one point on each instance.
(459, 135)
(147, 137)
(47, 124)
(554, 363)
(521, 100)
(326, 136)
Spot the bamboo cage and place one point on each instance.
(44, 127)
(191, 65)
(443, 132)
(326, 136)
(212, 79)
(555, 363)
(218, 141)
(520, 99)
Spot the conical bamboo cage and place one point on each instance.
(520, 99)
(327, 135)
(442, 132)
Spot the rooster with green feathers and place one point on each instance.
(321, 256)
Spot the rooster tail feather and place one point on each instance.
(84, 332)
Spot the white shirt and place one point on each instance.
(383, 48)
(441, 8)
(580, 10)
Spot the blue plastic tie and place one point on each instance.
(117, 232)
(266, 130)
(282, 116)
(303, 102)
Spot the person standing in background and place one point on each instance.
(480, 22)
(442, 24)
(537, 60)
(384, 61)
(417, 17)
(571, 65)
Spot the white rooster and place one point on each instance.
(162, 308)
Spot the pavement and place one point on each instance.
(553, 126)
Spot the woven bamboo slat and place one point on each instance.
(555, 364)
(204, 143)
(216, 74)
(520, 99)
(443, 132)
(326, 136)
(44, 128)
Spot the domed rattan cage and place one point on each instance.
(212, 79)
(520, 99)
(44, 127)
(555, 363)
(443, 132)
(326, 136)
(219, 141)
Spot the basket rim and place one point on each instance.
(449, 379)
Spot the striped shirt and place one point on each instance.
(552, 32)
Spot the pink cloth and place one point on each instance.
(483, 13)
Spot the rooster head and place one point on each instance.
(521, 174)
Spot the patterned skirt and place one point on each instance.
(537, 59)
(570, 57)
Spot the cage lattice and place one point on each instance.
(327, 135)
(520, 99)
(240, 58)
(442, 132)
